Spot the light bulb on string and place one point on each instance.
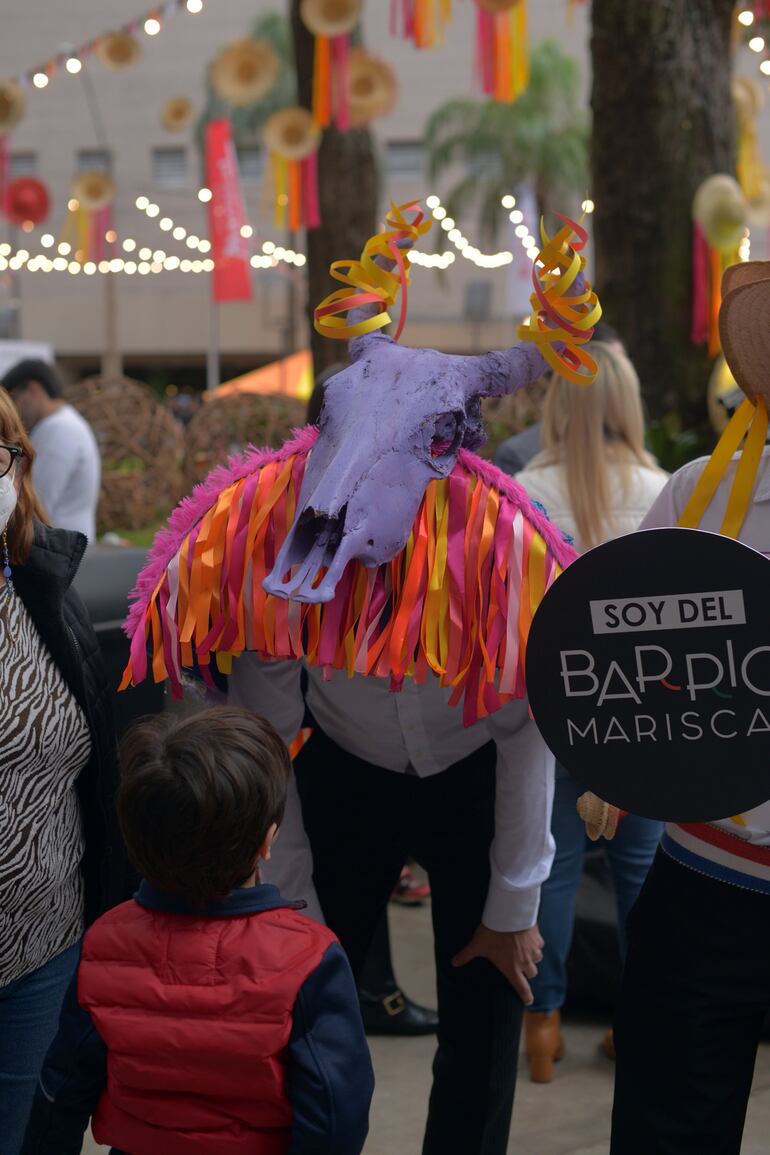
(40, 80)
(746, 18)
(152, 26)
(74, 65)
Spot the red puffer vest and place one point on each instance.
(196, 1015)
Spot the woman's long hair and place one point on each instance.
(590, 428)
(21, 527)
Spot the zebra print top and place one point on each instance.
(44, 744)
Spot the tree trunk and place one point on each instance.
(347, 185)
(662, 123)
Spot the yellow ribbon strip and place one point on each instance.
(371, 284)
(750, 419)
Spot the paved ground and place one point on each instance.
(567, 1117)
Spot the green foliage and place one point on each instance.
(541, 139)
(248, 122)
(673, 445)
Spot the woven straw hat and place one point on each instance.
(291, 133)
(720, 208)
(12, 105)
(177, 113)
(244, 72)
(372, 87)
(600, 817)
(330, 17)
(118, 49)
(744, 325)
(93, 189)
(748, 98)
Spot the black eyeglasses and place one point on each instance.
(8, 454)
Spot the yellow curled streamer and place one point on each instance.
(558, 319)
(370, 283)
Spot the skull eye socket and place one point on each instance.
(447, 431)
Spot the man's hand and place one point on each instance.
(515, 953)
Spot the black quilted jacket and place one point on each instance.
(44, 585)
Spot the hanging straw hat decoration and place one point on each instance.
(244, 72)
(13, 103)
(177, 114)
(291, 137)
(501, 47)
(331, 22)
(372, 87)
(118, 49)
(89, 220)
(720, 216)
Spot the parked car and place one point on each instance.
(106, 576)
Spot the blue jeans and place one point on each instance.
(29, 1017)
(629, 854)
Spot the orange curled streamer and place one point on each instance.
(371, 284)
(561, 324)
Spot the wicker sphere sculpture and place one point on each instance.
(141, 445)
(226, 425)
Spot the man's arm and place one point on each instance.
(273, 690)
(73, 1077)
(330, 1075)
(522, 850)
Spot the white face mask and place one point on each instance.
(8, 499)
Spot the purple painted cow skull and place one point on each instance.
(391, 423)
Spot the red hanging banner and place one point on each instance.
(231, 279)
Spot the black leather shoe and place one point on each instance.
(395, 1014)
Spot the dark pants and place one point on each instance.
(695, 992)
(363, 822)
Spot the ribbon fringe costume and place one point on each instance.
(379, 553)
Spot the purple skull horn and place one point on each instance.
(391, 423)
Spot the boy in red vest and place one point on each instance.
(208, 1016)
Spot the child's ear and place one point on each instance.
(270, 837)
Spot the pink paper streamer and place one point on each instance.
(5, 164)
(310, 191)
(485, 48)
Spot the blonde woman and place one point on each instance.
(596, 481)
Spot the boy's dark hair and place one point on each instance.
(197, 797)
(20, 376)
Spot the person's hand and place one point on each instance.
(515, 953)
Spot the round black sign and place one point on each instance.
(648, 673)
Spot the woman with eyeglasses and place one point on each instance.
(60, 862)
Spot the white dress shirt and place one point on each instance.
(416, 731)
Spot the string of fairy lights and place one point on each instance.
(145, 260)
(71, 60)
(757, 43)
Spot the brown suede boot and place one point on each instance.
(543, 1042)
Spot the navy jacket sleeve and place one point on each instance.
(330, 1072)
(73, 1077)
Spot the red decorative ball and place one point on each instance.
(26, 199)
